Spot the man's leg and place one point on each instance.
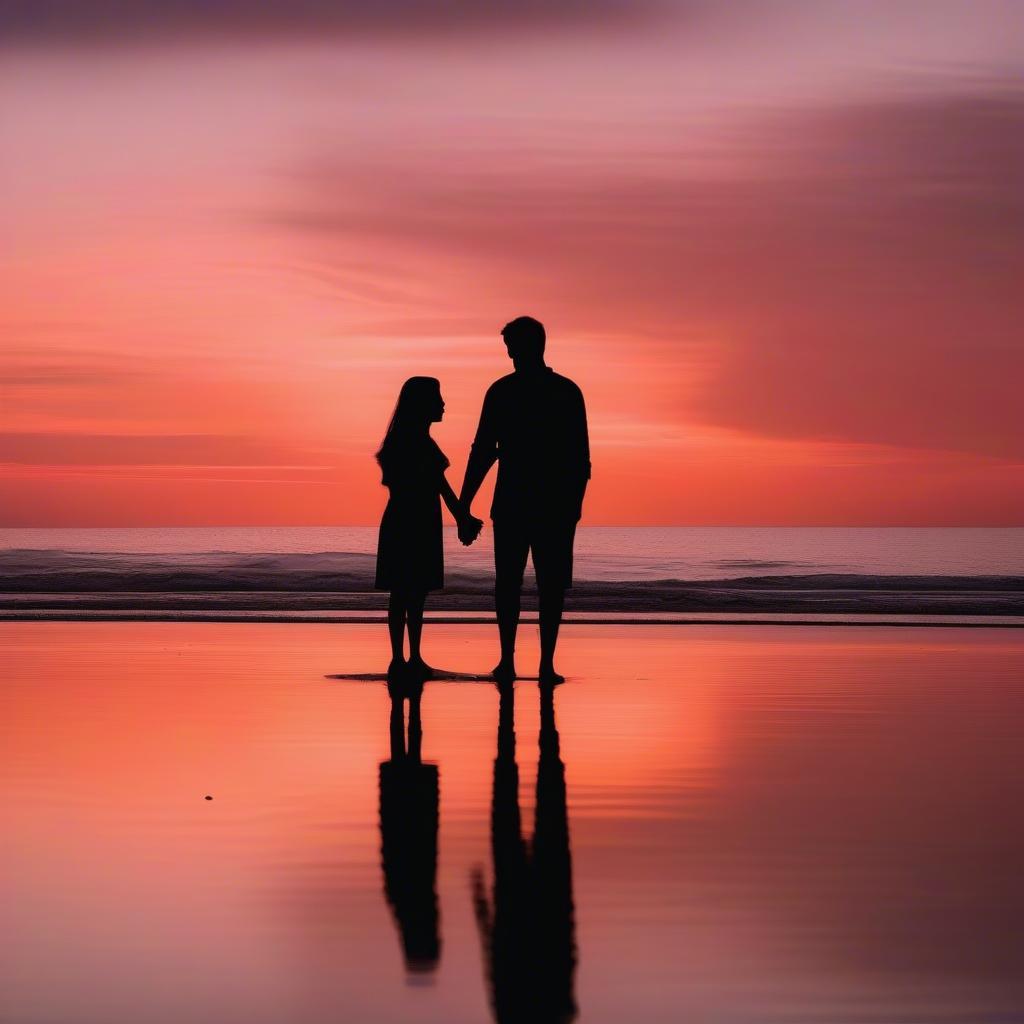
(551, 600)
(511, 547)
(552, 560)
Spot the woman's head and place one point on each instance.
(419, 401)
(419, 404)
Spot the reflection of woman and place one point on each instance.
(527, 928)
(408, 830)
(410, 559)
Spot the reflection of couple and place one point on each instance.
(526, 922)
(534, 425)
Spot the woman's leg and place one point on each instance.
(414, 610)
(396, 626)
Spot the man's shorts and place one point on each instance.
(550, 545)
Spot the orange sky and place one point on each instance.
(779, 245)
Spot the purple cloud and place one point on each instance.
(70, 21)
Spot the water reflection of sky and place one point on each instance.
(763, 825)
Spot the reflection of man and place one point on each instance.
(408, 833)
(527, 928)
(534, 424)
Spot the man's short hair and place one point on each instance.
(525, 336)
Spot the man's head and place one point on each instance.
(524, 339)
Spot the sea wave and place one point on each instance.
(338, 580)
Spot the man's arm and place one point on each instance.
(586, 438)
(482, 455)
(583, 449)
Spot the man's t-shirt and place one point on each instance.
(536, 423)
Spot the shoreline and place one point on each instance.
(184, 597)
(908, 620)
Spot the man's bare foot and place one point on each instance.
(547, 676)
(396, 667)
(419, 669)
(504, 671)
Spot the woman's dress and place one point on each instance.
(410, 554)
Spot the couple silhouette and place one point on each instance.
(533, 424)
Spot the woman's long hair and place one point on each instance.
(413, 413)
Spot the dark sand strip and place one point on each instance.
(607, 619)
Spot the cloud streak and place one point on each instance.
(862, 284)
(53, 448)
(87, 21)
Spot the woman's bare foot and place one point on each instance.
(547, 676)
(396, 667)
(504, 671)
(419, 669)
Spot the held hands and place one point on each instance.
(469, 527)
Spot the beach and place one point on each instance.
(794, 824)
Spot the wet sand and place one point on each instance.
(730, 824)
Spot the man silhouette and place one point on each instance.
(534, 425)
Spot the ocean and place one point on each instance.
(603, 553)
(641, 571)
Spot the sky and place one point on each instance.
(779, 244)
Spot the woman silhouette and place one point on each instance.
(410, 555)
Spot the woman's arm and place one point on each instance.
(455, 506)
(467, 523)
